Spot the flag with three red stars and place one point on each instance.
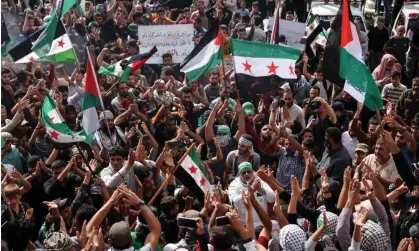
(193, 176)
(262, 60)
(56, 128)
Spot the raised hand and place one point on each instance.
(361, 218)
(295, 187)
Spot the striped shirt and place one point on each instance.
(393, 93)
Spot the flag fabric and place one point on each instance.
(321, 39)
(359, 81)
(43, 45)
(262, 60)
(22, 52)
(55, 125)
(275, 27)
(206, 55)
(61, 49)
(192, 175)
(5, 38)
(122, 69)
(331, 59)
(91, 98)
(312, 24)
(311, 41)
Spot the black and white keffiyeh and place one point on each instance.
(292, 238)
(373, 238)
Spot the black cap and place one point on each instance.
(33, 160)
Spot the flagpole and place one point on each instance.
(89, 57)
(85, 160)
(222, 56)
(171, 175)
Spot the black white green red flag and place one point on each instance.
(359, 82)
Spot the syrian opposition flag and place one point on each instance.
(61, 49)
(55, 125)
(312, 24)
(206, 55)
(91, 99)
(359, 82)
(275, 27)
(262, 60)
(22, 52)
(44, 45)
(321, 39)
(310, 49)
(192, 175)
(122, 69)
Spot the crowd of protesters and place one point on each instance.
(305, 167)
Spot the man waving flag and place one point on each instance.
(359, 82)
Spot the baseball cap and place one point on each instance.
(362, 147)
(58, 241)
(120, 235)
(33, 160)
(61, 203)
(249, 111)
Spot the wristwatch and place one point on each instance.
(140, 203)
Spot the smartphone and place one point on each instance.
(222, 221)
(187, 222)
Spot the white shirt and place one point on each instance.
(349, 143)
(296, 113)
(234, 193)
(387, 170)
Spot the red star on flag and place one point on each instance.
(272, 68)
(193, 169)
(54, 134)
(291, 70)
(202, 181)
(52, 119)
(311, 27)
(61, 43)
(31, 59)
(73, 137)
(246, 66)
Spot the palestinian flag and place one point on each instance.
(55, 126)
(359, 81)
(206, 54)
(192, 175)
(275, 27)
(22, 52)
(263, 60)
(61, 49)
(331, 59)
(122, 69)
(91, 99)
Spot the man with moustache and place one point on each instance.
(102, 139)
(122, 94)
(244, 153)
(263, 193)
(335, 156)
(290, 160)
(382, 162)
